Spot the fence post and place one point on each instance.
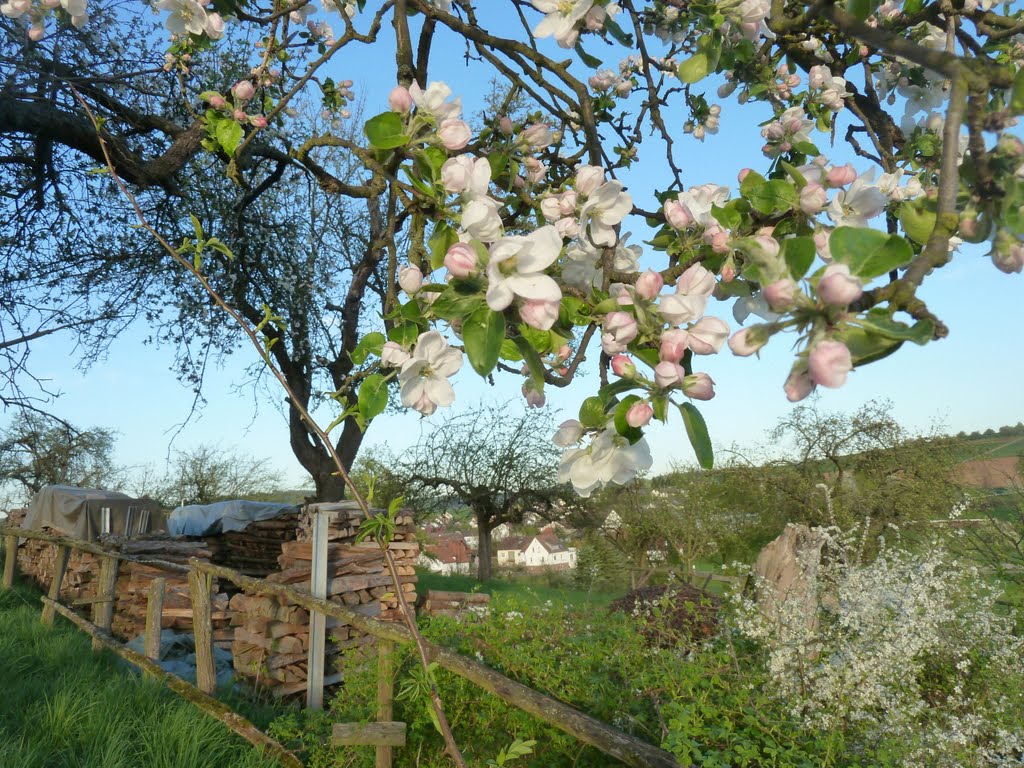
(106, 594)
(59, 566)
(154, 616)
(10, 560)
(385, 695)
(202, 628)
(317, 621)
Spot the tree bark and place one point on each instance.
(483, 530)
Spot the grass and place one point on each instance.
(65, 707)
(532, 589)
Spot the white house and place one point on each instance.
(546, 552)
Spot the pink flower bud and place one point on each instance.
(569, 433)
(1007, 253)
(258, 121)
(677, 215)
(780, 294)
(535, 169)
(668, 374)
(728, 271)
(821, 243)
(841, 175)
(243, 90)
(454, 133)
(837, 286)
(239, 115)
(699, 386)
(400, 100)
(673, 344)
(718, 239)
(539, 313)
(639, 414)
(696, 280)
(393, 355)
(594, 19)
(505, 126)
(813, 198)
(649, 284)
(623, 366)
(619, 329)
(829, 362)
(534, 397)
(747, 341)
(538, 135)
(460, 260)
(798, 385)
(457, 173)
(563, 353)
(35, 33)
(410, 279)
(218, 102)
(744, 172)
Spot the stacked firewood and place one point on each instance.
(255, 550)
(134, 580)
(272, 635)
(37, 559)
(454, 604)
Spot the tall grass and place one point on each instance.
(61, 706)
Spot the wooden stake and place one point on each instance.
(59, 566)
(106, 587)
(202, 627)
(209, 705)
(317, 621)
(385, 696)
(10, 560)
(154, 614)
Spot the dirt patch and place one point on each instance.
(672, 615)
(1003, 472)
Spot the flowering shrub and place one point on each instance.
(905, 649)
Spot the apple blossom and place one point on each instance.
(696, 280)
(608, 459)
(539, 313)
(187, 17)
(505, 125)
(569, 433)
(677, 215)
(854, 206)
(649, 285)
(461, 260)
(798, 385)
(433, 100)
(673, 344)
(780, 294)
(841, 175)
(562, 19)
(516, 268)
(481, 220)
(700, 200)
(1007, 253)
(639, 414)
(707, 335)
(534, 397)
(837, 286)
(813, 198)
(623, 366)
(668, 374)
(454, 133)
(400, 100)
(747, 341)
(829, 362)
(410, 278)
(243, 90)
(538, 136)
(588, 179)
(424, 376)
(606, 206)
(467, 176)
(699, 386)
(393, 355)
(619, 328)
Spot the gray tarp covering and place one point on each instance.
(223, 516)
(77, 512)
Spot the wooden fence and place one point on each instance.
(384, 734)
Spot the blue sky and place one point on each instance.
(969, 381)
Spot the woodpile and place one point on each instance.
(457, 605)
(271, 643)
(255, 550)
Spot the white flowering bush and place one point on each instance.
(908, 649)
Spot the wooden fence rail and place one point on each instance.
(628, 749)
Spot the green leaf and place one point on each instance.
(1017, 93)
(799, 253)
(373, 396)
(697, 431)
(429, 161)
(695, 68)
(370, 344)
(533, 362)
(229, 135)
(775, 196)
(866, 347)
(483, 332)
(751, 182)
(539, 340)
(404, 334)
(385, 131)
(591, 61)
(612, 28)
(443, 238)
(917, 221)
(509, 351)
(728, 217)
(660, 405)
(609, 391)
(592, 415)
(867, 252)
(881, 324)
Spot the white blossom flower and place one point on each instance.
(424, 376)
(433, 100)
(481, 220)
(608, 459)
(187, 17)
(700, 199)
(516, 268)
(854, 206)
(562, 20)
(606, 206)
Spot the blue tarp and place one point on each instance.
(223, 516)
